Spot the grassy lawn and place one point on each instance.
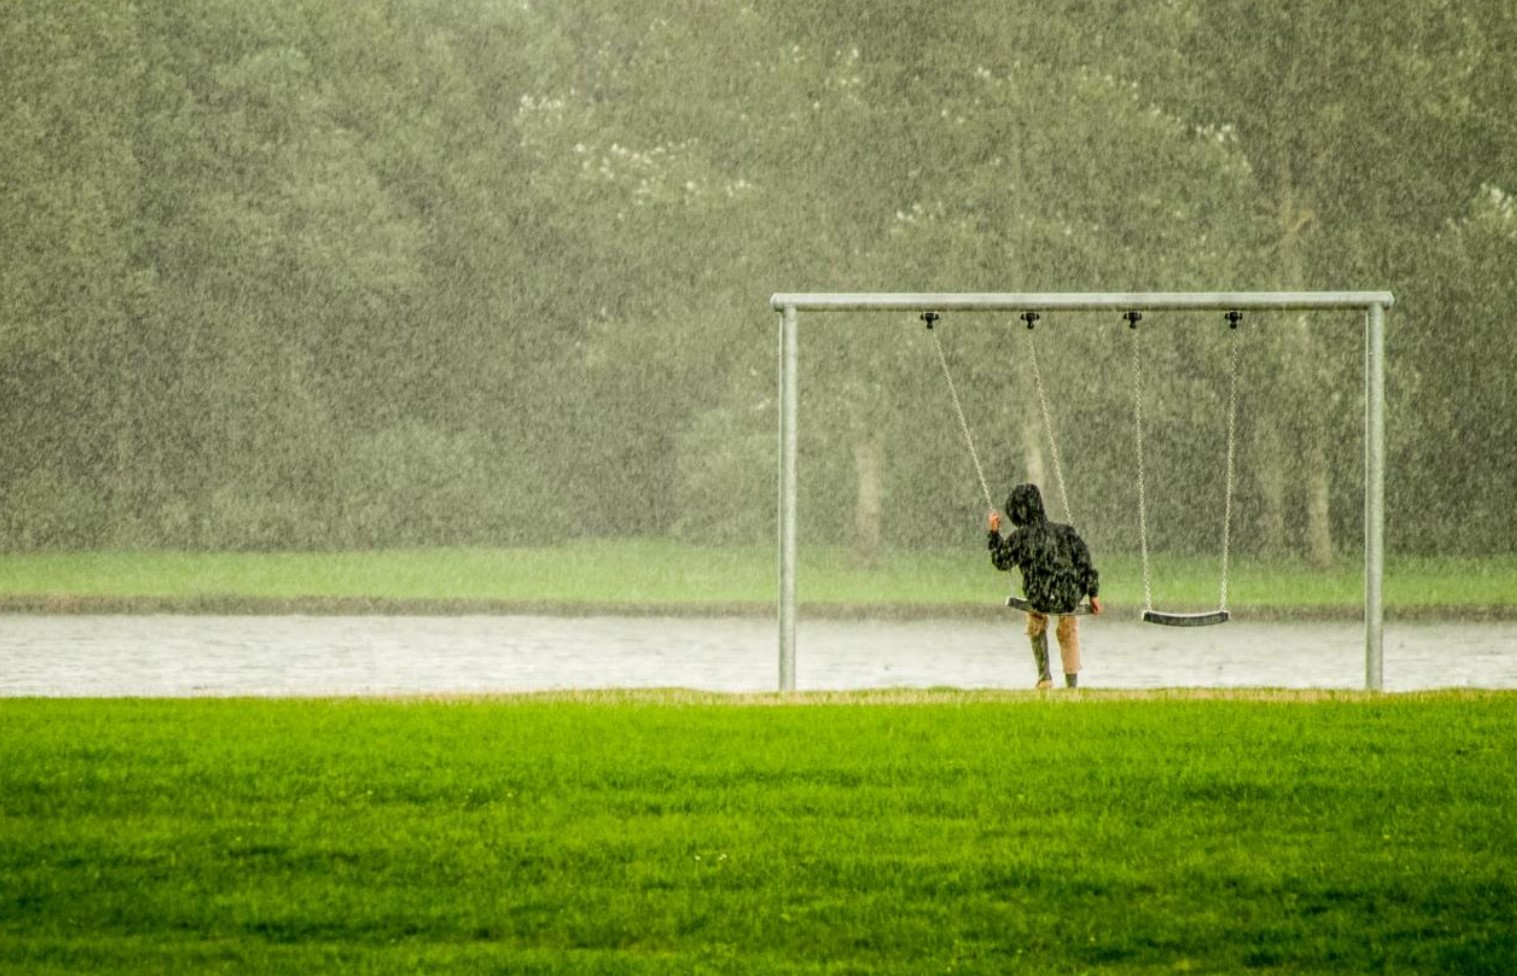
(673, 832)
(656, 574)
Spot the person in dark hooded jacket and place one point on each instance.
(1057, 573)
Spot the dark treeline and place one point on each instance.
(464, 272)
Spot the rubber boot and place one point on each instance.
(1040, 655)
(1071, 681)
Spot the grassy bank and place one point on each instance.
(664, 576)
(655, 833)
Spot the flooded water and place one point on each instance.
(307, 656)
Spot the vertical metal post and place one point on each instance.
(1374, 498)
(789, 402)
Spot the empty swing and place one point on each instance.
(1221, 614)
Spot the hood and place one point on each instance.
(1024, 506)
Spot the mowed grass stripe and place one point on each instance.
(670, 831)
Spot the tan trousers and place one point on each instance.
(1067, 631)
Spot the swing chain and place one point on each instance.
(958, 408)
(1232, 441)
(1053, 446)
(1137, 380)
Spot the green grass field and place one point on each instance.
(656, 575)
(673, 832)
(669, 832)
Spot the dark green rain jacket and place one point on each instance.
(1056, 569)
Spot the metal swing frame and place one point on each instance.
(1373, 305)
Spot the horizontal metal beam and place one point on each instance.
(1081, 302)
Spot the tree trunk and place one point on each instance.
(1319, 530)
(1269, 472)
(869, 506)
(1317, 479)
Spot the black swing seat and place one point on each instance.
(1186, 619)
(1017, 603)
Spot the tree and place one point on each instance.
(1463, 390)
(506, 264)
(73, 297)
(992, 162)
(1314, 94)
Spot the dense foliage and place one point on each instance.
(297, 275)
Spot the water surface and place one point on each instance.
(167, 655)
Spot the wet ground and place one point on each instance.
(168, 655)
